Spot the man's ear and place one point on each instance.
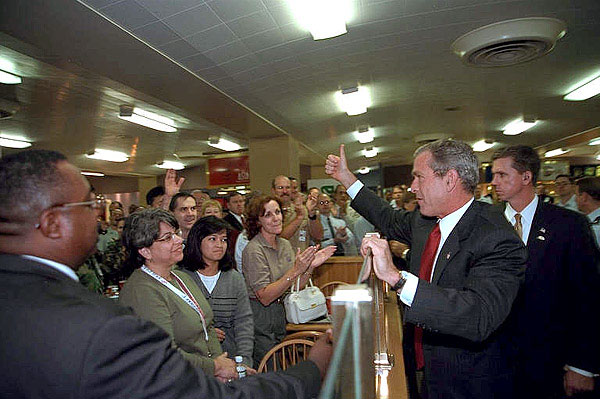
(451, 179)
(527, 177)
(51, 223)
(145, 252)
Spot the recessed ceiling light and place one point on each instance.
(483, 145)
(554, 153)
(354, 101)
(598, 157)
(365, 135)
(13, 143)
(146, 118)
(171, 165)
(108, 155)
(225, 145)
(584, 91)
(222, 192)
(595, 142)
(364, 170)
(323, 19)
(370, 152)
(98, 174)
(518, 126)
(9, 78)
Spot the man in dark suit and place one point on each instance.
(555, 313)
(235, 207)
(61, 341)
(466, 267)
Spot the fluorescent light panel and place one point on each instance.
(9, 78)
(171, 165)
(365, 137)
(482, 145)
(108, 155)
(12, 143)
(554, 153)
(354, 101)
(225, 145)
(98, 174)
(585, 91)
(595, 142)
(370, 152)
(517, 126)
(152, 124)
(323, 18)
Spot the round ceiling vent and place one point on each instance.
(509, 42)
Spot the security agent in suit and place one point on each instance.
(235, 206)
(61, 341)
(557, 330)
(478, 269)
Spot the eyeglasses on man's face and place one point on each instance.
(325, 202)
(169, 237)
(97, 204)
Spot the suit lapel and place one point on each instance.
(538, 235)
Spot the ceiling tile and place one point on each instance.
(97, 4)
(211, 38)
(178, 49)
(165, 8)
(420, 6)
(211, 74)
(194, 20)
(284, 65)
(129, 14)
(283, 15)
(293, 32)
(227, 52)
(275, 53)
(240, 64)
(156, 34)
(198, 61)
(263, 40)
(382, 11)
(252, 24)
(228, 10)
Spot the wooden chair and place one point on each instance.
(285, 354)
(328, 288)
(308, 335)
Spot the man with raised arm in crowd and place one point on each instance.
(465, 270)
(183, 206)
(299, 220)
(557, 332)
(60, 340)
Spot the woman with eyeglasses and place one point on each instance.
(270, 268)
(207, 262)
(168, 297)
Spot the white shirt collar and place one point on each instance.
(55, 265)
(448, 222)
(593, 214)
(526, 214)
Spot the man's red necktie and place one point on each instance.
(427, 259)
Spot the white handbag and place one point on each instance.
(304, 305)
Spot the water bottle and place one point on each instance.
(241, 369)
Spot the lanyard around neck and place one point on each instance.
(185, 295)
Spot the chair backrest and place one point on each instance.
(308, 335)
(285, 354)
(328, 288)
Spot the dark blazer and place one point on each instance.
(58, 340)
(556, 312)
(463, 310)
(233, 221)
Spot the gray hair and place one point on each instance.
(29, 183)
(450, 154)
(142, 229)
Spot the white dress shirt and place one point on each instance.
(526, 216)
(55, 265)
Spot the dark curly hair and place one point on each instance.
(192, 253)
(140, 231)
(255, 209)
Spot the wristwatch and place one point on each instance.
(398, 286)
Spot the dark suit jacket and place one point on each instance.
(233, 222)
(462, 311)
(556, 313)
(58, 340)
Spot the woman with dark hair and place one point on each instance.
(171, 299)
(207, 262)
(270, 268)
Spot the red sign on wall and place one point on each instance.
(228, 171)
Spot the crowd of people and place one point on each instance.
(491, 288)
